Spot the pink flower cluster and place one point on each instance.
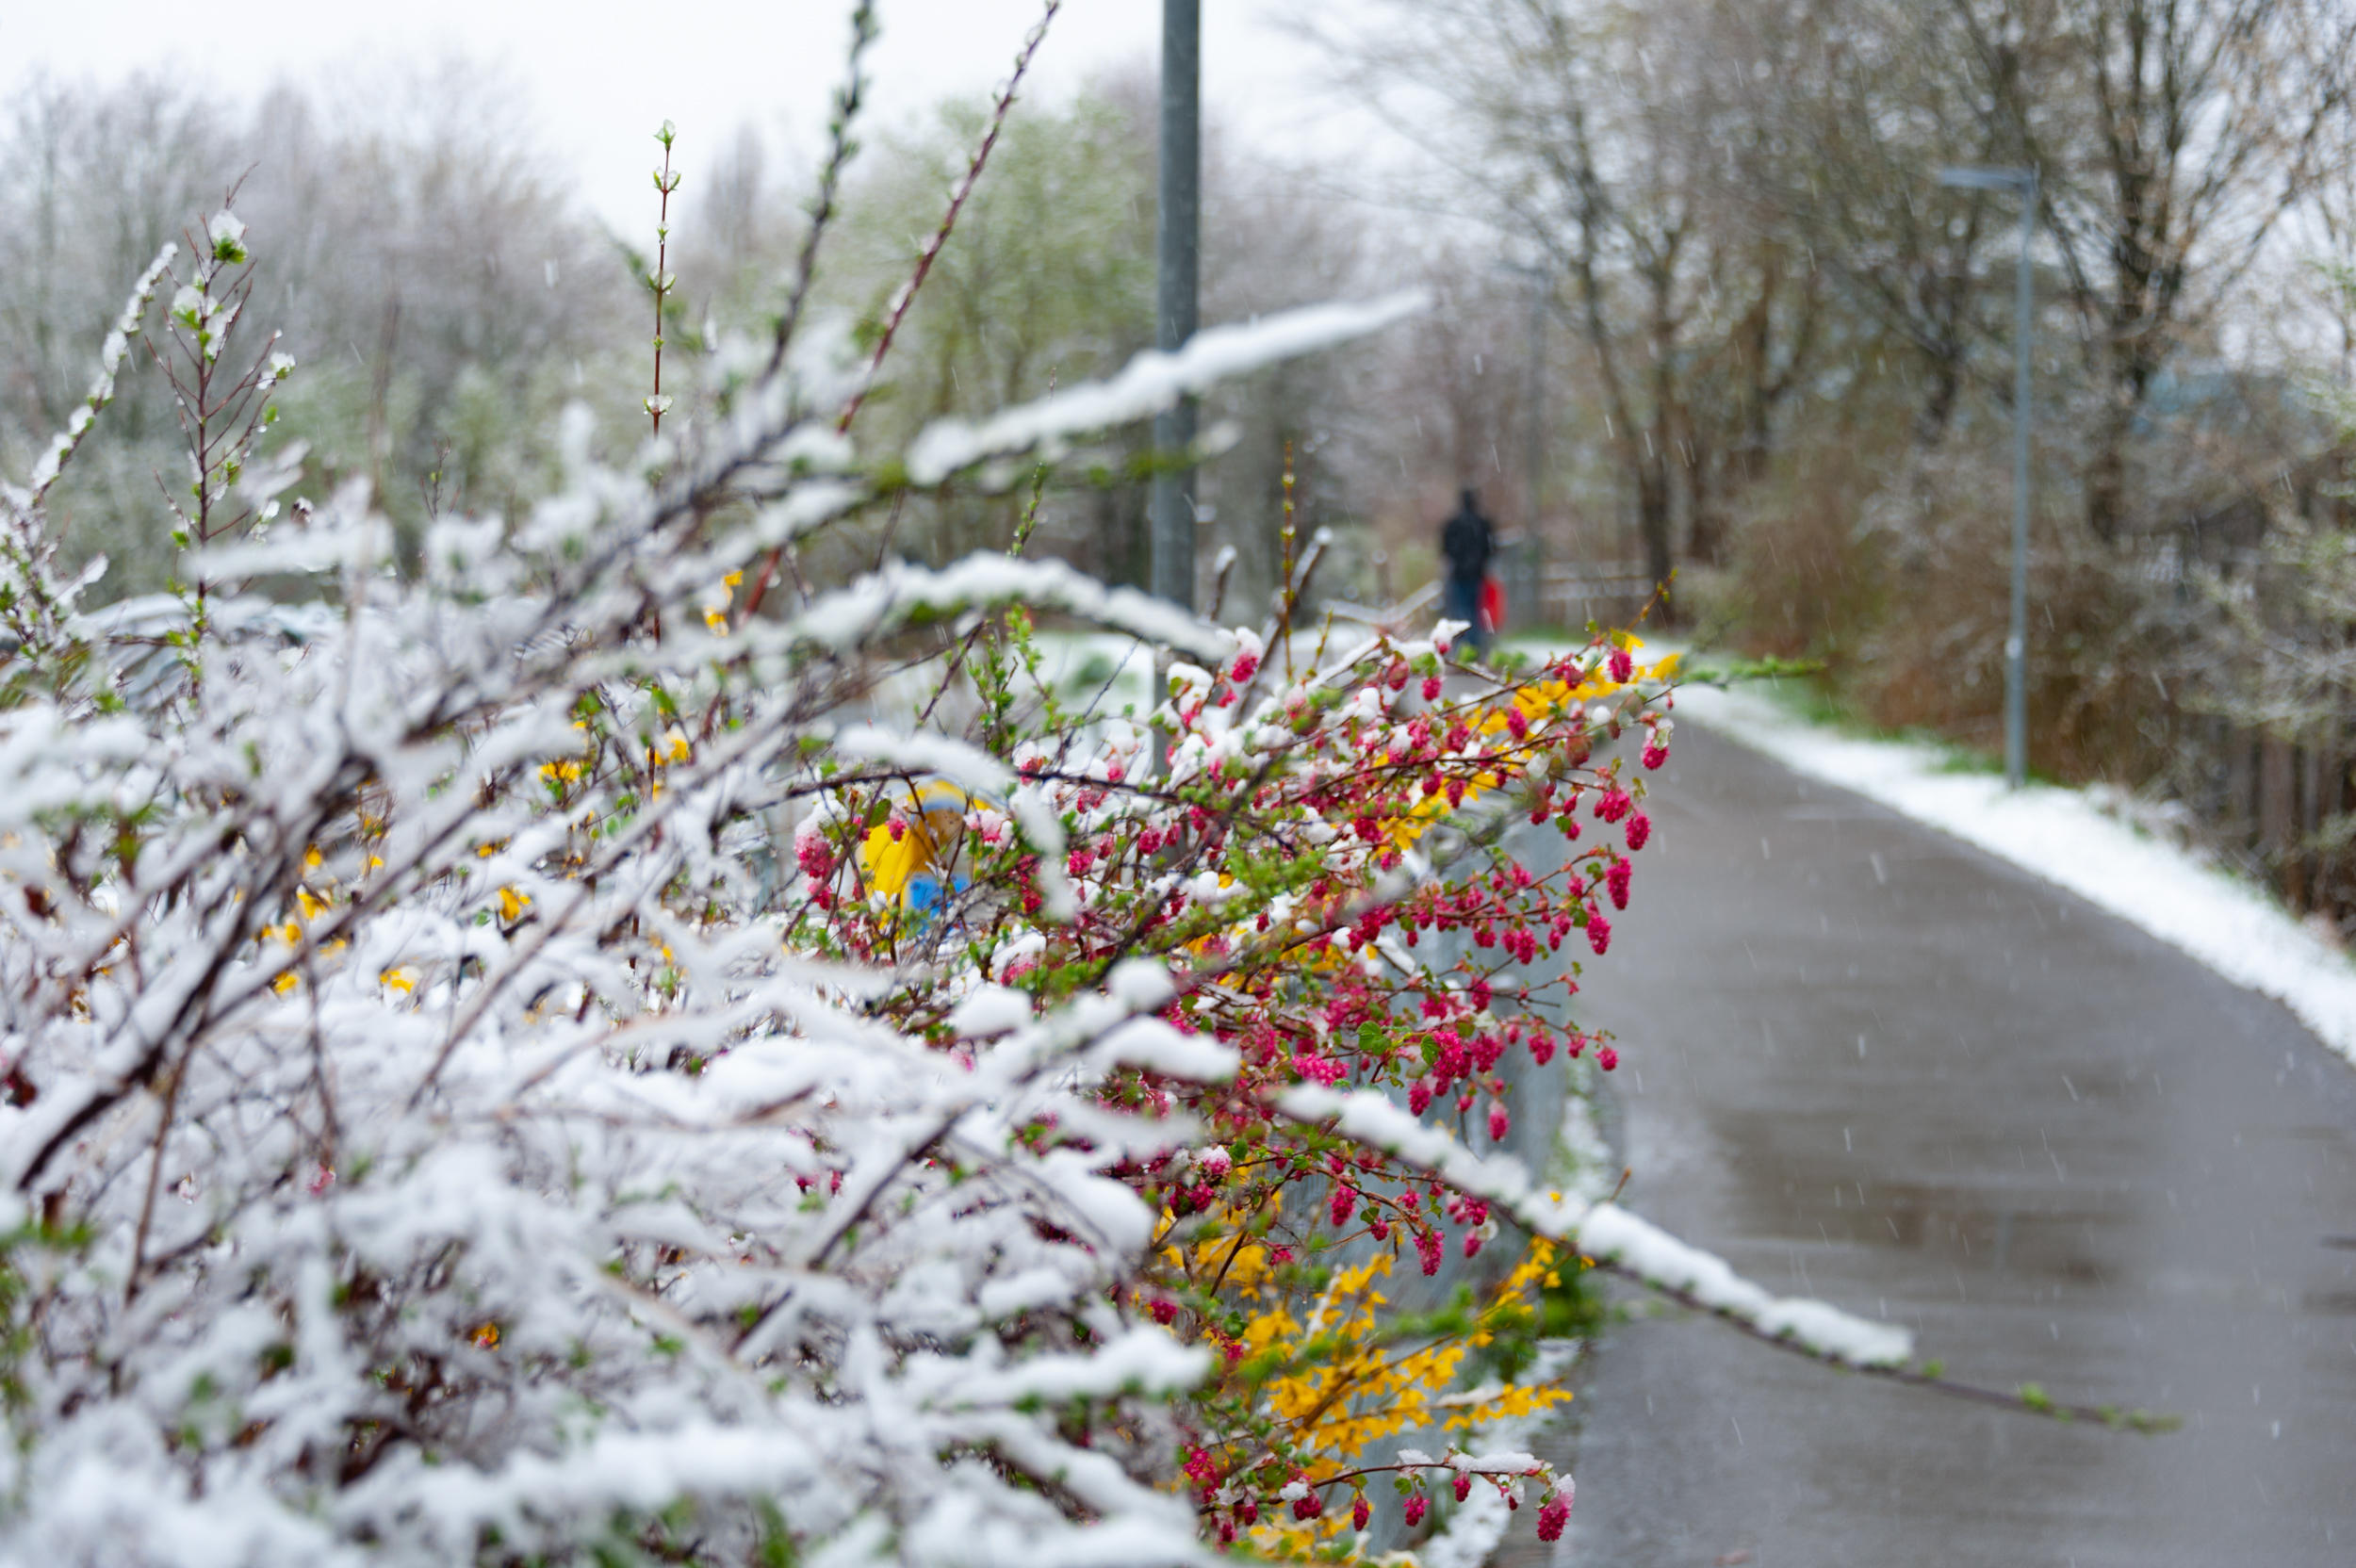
(1253, 866)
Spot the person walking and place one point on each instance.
(1467, 542)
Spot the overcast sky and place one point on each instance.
(603, 74)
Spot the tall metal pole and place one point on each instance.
(2023, 184)
(2017, 643)
(1179, 209)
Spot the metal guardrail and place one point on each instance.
(1568, 589)
(1600, 571)
(1566, 594)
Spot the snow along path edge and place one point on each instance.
(1476, 1527)
(2062, 837)
(1476, 1524)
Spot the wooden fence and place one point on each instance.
(2285, 807)
(1570, 594)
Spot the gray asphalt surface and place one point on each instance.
(1865, 1062)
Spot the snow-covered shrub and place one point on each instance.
(515, 1060)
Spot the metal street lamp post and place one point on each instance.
(2021, 183)
(1170, 507)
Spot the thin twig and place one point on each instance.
(907, 296)
(926, 258)
(659, 281)
(841, 148)
(2028, 1401)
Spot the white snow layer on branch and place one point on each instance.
(1152, 382)
(450, 1133)
(102, 390)
(968, 766)
(902, 595)
(1604, 1231)
(626, 1290)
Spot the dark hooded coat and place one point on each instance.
(1468, 542)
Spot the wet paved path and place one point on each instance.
(1866, 1062)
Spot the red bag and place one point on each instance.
(1492, 605)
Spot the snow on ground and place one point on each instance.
(1584, 1168)
(1472, 1530)
(2064, 836)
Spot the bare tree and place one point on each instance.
(2175, 135)
(90, 188)
(1597, 130)
(1848, 109)
(441, 290)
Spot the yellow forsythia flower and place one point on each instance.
(717, 608)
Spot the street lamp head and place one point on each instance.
(1974, 178)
